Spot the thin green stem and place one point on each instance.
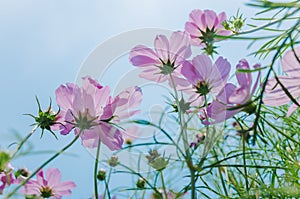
(221, 175)
(183, 132)
(106, 190)
(279, 131)
(163, 184)
(9, 195)
(244, 162)
(106, 185)
(96, 169)
(23, 141)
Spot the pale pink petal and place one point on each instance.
(190, 73)
(90, 137)
(111, 136)
(208, 18)
(101, 97)
(53, 176)
(204, 66)
(244, 79)
(64, 188)
(162, 48)
(219, 112)
(31, 188)
(219, 75)
(179, 47)
(195, 17)
(127, 100)
(223, 68)
(64, 95)
(40, 178)
(290, 64)
(143, 56)
(180, 82)
(240, 96)
(153, 74)
(193, 30)
(222, 17)
(90, 85)
(226, 93)
(275, 95)
(257, 79)
(224, 32)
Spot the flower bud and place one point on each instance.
(155, 161)
(113, 161)
(22, 174)
(101, 175)
(141, 183)
(45, 119)
(159, 164)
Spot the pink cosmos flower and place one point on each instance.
(92, 110)
(205, 76)
(231, 97)
(6, 179)
(49, 187)
(165, 59)
(275, 95)
(203, 25)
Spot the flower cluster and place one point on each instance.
(200, 78)
(202, 88)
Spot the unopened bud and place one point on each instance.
(101, 174)
(113, 161)
(141, 183)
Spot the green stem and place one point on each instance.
(23, 141)
(221, 175)
(106, 185)
(96, 169)
(43, 165)
(280, 132)
(163, 184)
(107, 190)
(244, 162)
(183, 132)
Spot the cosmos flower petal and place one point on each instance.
(53, 176)
(162, 48)
(143, 56)
(290, 63)
(190, 72)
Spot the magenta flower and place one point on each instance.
(49, 187)
(92, 110)
(203, 25)
(204, 76)
(275, 95)
(230, 98)
(166, 59)
(6, 179)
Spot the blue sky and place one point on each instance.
(44, 43)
